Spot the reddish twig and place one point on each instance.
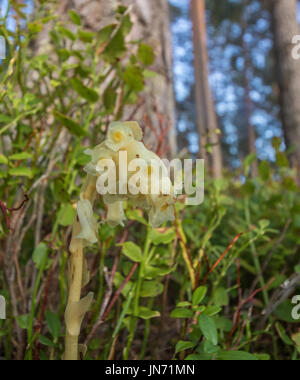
(236, 317)
(224, 254)
(111, 305)
(119, 291)
(5, 209)
(43, 309)
(239, 283)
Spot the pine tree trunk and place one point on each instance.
(248, 101)
(152, 26)
(285, 26)
(207, 118)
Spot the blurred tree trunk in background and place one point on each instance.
(285, 27)
(248, 100)
(152, 26)
(207, 118)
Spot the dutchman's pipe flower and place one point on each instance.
(149, 186)
(162, 210)
(115, 214)
(119, 136)
(89, 227)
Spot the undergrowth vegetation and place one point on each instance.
(216, 284)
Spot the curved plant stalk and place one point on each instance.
(77, 307)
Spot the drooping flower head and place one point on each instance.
(148, 183)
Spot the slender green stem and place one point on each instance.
(134, 319)
(147, 332)
(33, 307)
(255, 256)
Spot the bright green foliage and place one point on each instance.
(55, 101)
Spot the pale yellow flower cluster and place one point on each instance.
(127, 137)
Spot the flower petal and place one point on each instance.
(118, 136)
(89, 228)
(136, 129)
(115, 214)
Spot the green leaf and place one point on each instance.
(64, 54)
(210, 348)
(158, 238)
(121, 9)
(282, 160)
(126, 25)
(203, 357)
(3, 160)
(119, 280)
(85, 92)
(23, 321)
(20, 156)
(34, 27)
(264, 171)
(66, 215)
(67, 122)
(40, 255)
(199, 295)
(182, 313)
(132, 251)
(5, 118)
(135, 215)
(149, 74)
(184, 304)
(146, 54)
(263, 357)
(248, 189)
(284, 312)
(21, 172)
(67, 33)
(296, 339)
(106, 232)
(276, 143)
(116, 48)
(55, 83)
(46, 341)
(283, 335)
(153, 272)
(289, 184)
(182, 346)
(208, 328)
(133, 77)
(264, 223)
(151, 289)
(105, 33)
(212, 310)
(223, 324)
(221, 297)
(53, 324)
(75, 18)
(109, 98)
(86, 36)
(249, 161)
(236, 355)
(95, 344)
(145, 313)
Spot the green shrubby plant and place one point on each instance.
(201, 287)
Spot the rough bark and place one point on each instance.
(207, 118)
(285, 27)
(152, 26)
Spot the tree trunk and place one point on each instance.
(248, 101)
(207, 118)
(285, 27)
(152, 26)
